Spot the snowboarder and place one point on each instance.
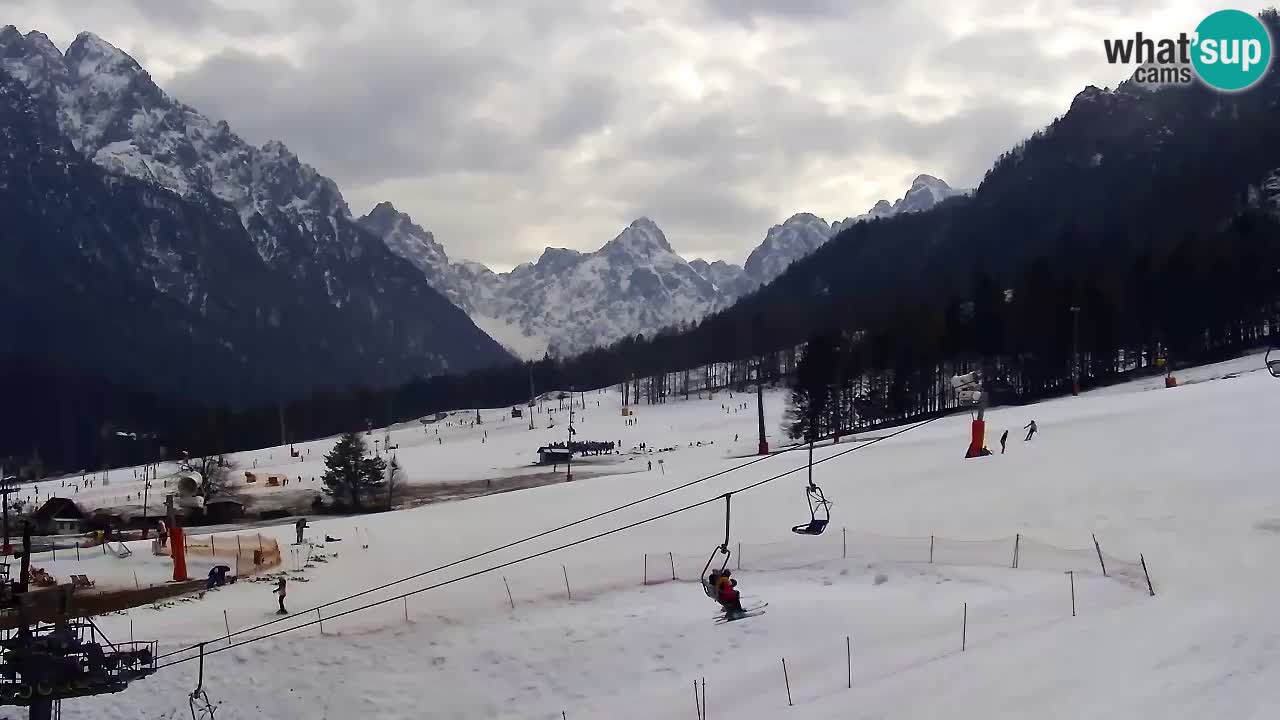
(1004, 438)
(727, 594)
(281, 592)
(1031, 430)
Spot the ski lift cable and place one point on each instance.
(507, 546)
(543, 553)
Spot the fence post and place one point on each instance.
(1150, 589)
(930, 549)
(848, 659)
(321, 618)
(406, 608)
(704, 699)
(238, 550)
(844, 542)
(1098, 547)
(1072, 574)
(77, 551)
(697, 702)
(55, 549)
(787, 680)
(964, 628)
(568, 593)
(646, 568)
(739, 555)
(213, 549)
(672, 557)
(227, 622)
(510, 599)
(1017, 540)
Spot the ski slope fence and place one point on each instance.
(251, 554)
(570, 576)
(1014, 551)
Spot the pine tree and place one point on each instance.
(813, 399)
(395, 478)
(349, 474)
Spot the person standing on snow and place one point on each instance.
(281, 592)
(1004, 438)
(1031, 430)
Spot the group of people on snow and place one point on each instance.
(1031, 429)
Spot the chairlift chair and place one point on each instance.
(819, 513)
(1273, 364)
(723, 549)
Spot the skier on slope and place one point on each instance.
(281, 592)
(1004, 438)
(1031, 430)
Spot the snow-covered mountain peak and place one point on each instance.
(642, 237)
(31, 59)
(783, 244)
(89, 55)
(925, 192)
(555, 259)
(417, 245)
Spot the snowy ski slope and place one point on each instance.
(1185, 476)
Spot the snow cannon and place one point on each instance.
(967, 388)
(968, 391)
(977, 440)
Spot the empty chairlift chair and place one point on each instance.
(819, 512)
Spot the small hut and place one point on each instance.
(553, 455)
(59, 516)
(223, 509)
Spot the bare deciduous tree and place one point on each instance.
(214, 471)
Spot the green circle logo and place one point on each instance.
(1232, 50)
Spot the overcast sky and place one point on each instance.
(505, 127)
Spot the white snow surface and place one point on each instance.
(1181, 475)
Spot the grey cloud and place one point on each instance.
(206, 14)
(791, 9)
(583, 106)
(400, 109)
(505, 126)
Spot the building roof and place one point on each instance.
(60, 508)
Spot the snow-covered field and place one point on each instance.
(455, 450)
(1183, 476)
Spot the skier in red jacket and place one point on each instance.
(727, 594)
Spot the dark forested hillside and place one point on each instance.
(128, 281)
